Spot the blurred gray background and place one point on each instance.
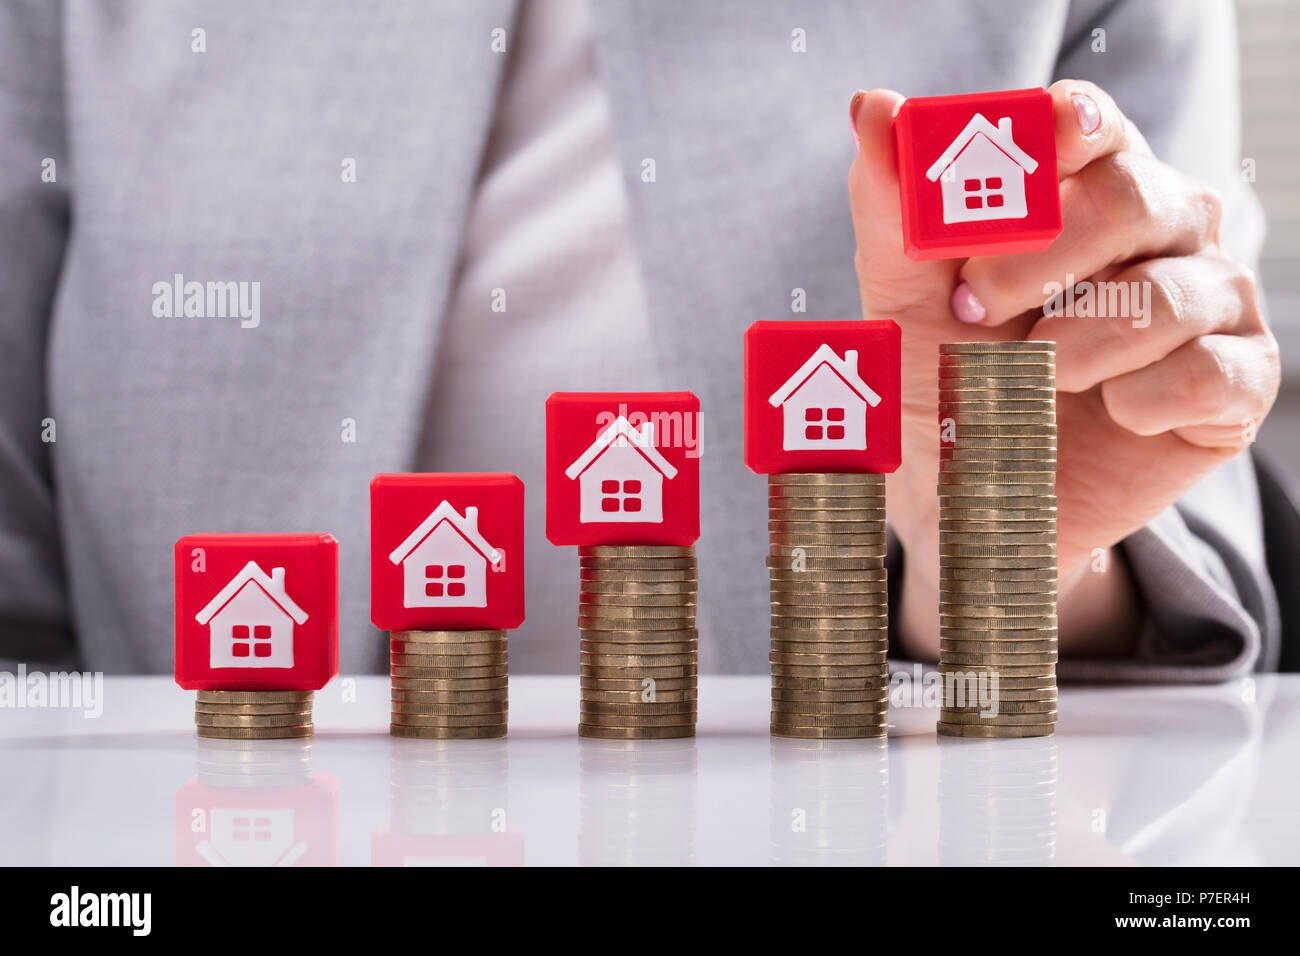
(1270, 96)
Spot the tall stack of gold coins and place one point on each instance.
(449, 685)
(640, 647)
(253, 714)
(830, 609)
(997, 538)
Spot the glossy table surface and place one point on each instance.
(1134, 775)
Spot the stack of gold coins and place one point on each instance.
(449, 684)
(997, 538)
(253, 714)
(830, 609)
(640, 648)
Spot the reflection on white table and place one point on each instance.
(1135, 775)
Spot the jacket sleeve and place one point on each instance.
(1211, 608)
(34, 217)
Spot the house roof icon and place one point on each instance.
(999, 136)
(251, 573)
(466, 525)
(621, 434)
(846, 368)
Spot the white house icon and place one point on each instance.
(825, 404)
(622, 476)
(250, 621)
(445, 560)
(251, 837)
(983, 173)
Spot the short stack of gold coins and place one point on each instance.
(253, 714)
(830, 609)
(449, 685)
(997, 537)
(640, 647)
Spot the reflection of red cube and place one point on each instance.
(822, 396)
(977, 174)
(257, 611)
(622, 468)
(446, 551)
(294, 825)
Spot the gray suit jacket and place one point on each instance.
(121, 430)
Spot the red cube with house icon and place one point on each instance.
(446, 551)
(977, 174)
(622, 468)
(257, 611)
(823, 397)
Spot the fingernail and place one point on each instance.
(854, 103)
(966, 305)
(1085, 107)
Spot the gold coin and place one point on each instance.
(828, 708)
(1011, 347)
(992, 572)
(826, 720)
(448, 660)
(448, 673)
(829, 670)
(995, 394)
(809, 587)
(825, 509)
(827, 557)
(820, 599)
(861, 658)
(460, 652)
(442, 684)
(289, 707)
(877, 647)
(604, 659)
(996, 599)
(1000, 647)
(968, 730)
(418, 698)
(867, 479)
(599, 624)
(978, 526)
(876, 496)
(998, 608)
(852, 519)
(1004, 671)
(1018, 683)
(596, 599)
(786, 696)
(991, 659)
(875, 541)
(634, 696)
(637, 564)
(447, 733)
(1005, 563)
(497, 719)
(1001, 720)
(780, 570)
(1033, 695)
(874, 529)
(985, 420)
(639, 672)
(255, 733)
(966, 470)
(253, 696)
(864, 636)
(1006, 708)
(639, 647)
(877, 681)
(635, 733)
(449, 709)
(639, 709)
(636, 551)
(623, 635)
(955, 591)
(863, 621)
(948, 619)
(950, 547)
(959, 402)
(638, 611)
(684, 719)
(653, 576)
(448, 637)
(670, 590)
(1043, 483)
(252, 720)
(658, 685)
(824, 733)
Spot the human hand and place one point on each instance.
(1146, 406)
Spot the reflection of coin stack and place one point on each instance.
(997, 536)
(829, 605)
(241, 763)
(997, 804)
(449, 684)
(640, 656)
(640, 803)
(441, 789)
(253, 714)
(830, 803)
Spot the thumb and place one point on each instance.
(892, 285)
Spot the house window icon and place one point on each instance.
(621, 476)
(251, 620)
(825, 403)
(982, 173)
(445, 560)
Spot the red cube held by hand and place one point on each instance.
(446, 551)
(622, 468)
(257, 611)
(822, 397)
(977, 174)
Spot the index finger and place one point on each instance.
(1089, 126)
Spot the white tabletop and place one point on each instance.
(1144, 775)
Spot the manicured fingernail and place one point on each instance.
(854, 103)
(966, 306)
(1085, 107)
